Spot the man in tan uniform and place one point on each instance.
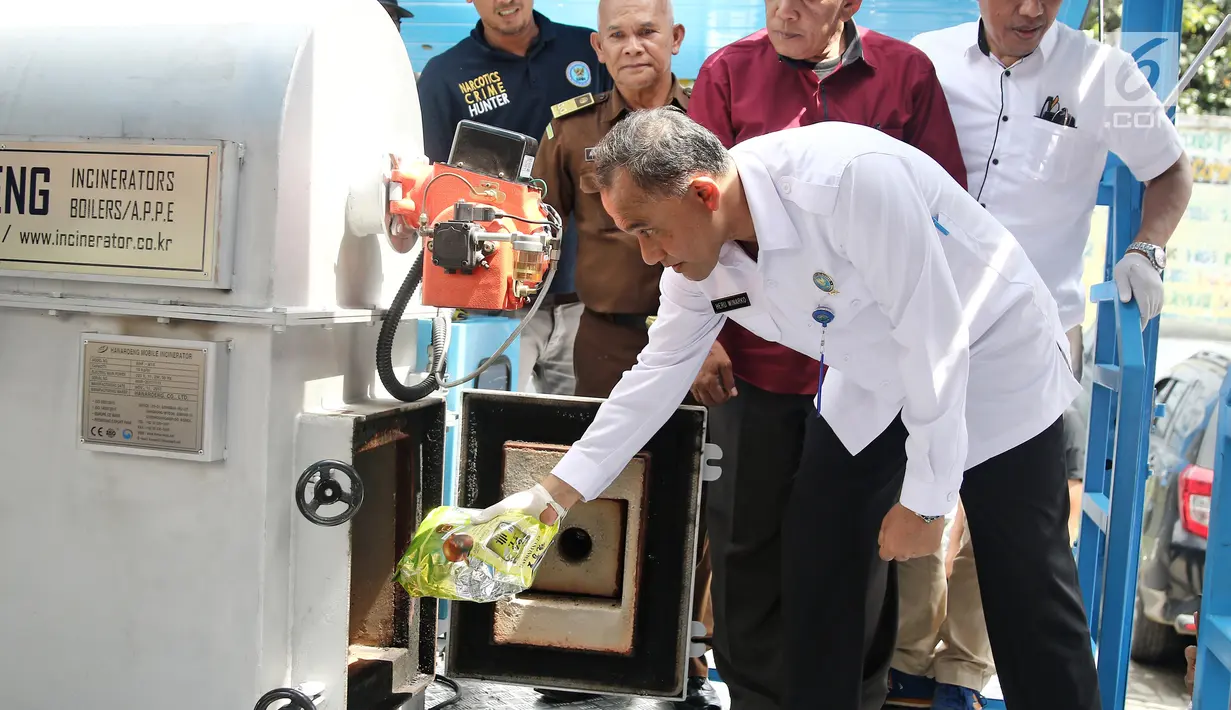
(635, 40)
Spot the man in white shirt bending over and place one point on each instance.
(948, 374)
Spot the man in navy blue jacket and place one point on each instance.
(515, 65)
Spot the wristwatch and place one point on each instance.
(1155, 254)
(929, 519)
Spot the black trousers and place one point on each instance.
(761, 435)
(838, 596)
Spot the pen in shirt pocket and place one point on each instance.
(1050, 111)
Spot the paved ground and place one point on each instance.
(1150, 688)
(1157, 688)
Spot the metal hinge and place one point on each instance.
(711, 472)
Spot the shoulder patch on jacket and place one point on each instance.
(576, 103)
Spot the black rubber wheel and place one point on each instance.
(1152, 642)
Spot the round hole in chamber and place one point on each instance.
(575, 544)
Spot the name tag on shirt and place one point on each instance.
(731, 303)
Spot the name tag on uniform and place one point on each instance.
(731, 303)
(589, 155)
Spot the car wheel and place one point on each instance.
(1152, 642)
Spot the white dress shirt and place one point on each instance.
(1040, 178)
(938, 313)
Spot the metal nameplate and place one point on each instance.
(153, 395)
(143, 210)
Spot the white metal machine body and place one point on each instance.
(194, 264)
(189, 288)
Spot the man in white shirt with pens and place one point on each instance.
(948, 373)
(1037, 106)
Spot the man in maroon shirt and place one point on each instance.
(810, 64)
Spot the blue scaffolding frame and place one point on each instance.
(1213, 682)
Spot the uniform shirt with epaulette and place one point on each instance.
(610, 275)
(476, 81)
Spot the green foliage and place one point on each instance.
(1210, 90)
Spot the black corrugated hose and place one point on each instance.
(436, 367)
(388, 331)
(452, 685)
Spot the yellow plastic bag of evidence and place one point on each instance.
(453, 557)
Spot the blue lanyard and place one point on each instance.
(824, 316)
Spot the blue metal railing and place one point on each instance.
(1117, 453)
(1213, 681)
(1116, 472)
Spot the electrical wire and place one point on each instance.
(452, 685)
(526, 220)
(556, 227)
(427, 188)
(534, 308)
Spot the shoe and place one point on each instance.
(953, 697)
(564, 696)
(701, 696)
(909, 691)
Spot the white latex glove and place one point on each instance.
(532, 502)
(1136, 278)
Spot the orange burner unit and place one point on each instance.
(489, 239)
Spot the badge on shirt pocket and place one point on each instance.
(579, 74)
(825, 282)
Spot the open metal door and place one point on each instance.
(611, 608)
(368, 475)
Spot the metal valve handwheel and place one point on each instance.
(299, 701)
(326, 490)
